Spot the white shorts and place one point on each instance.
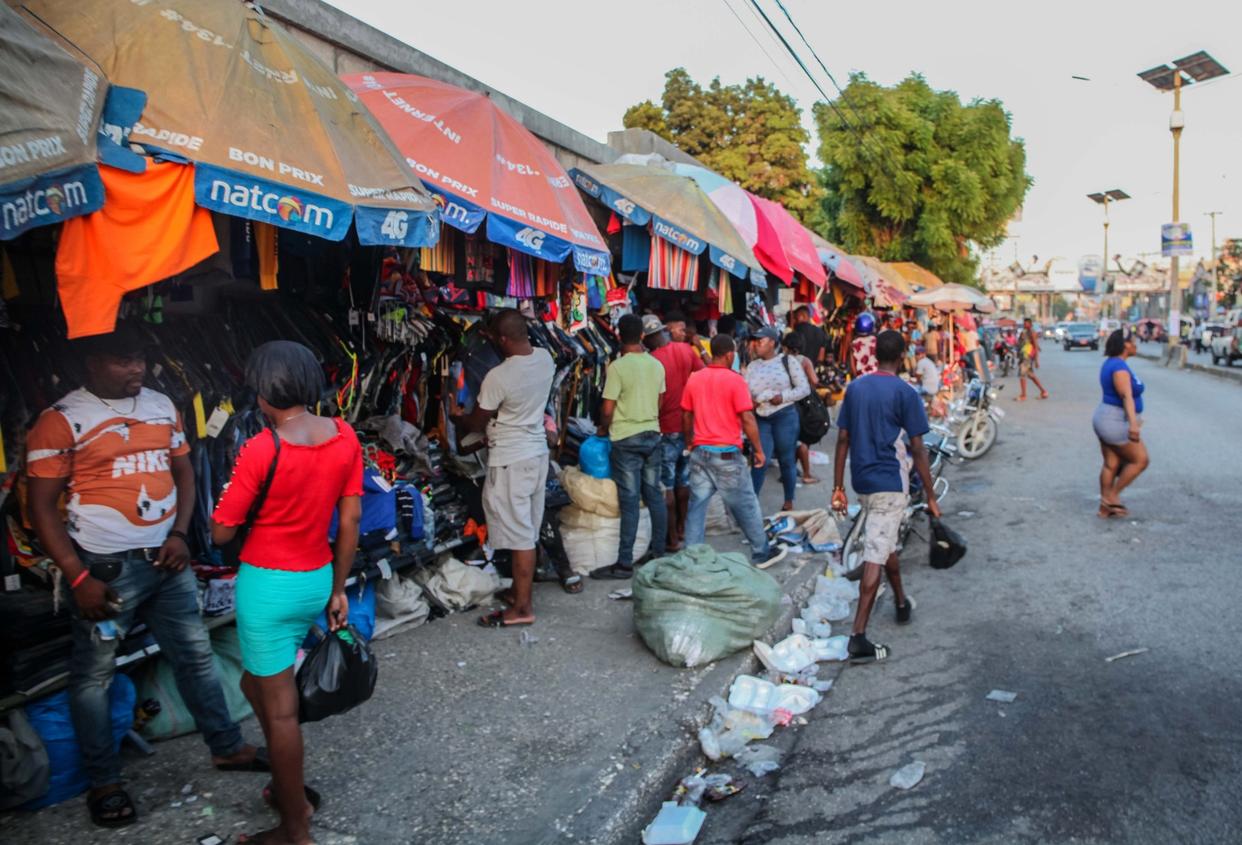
(883, 512)
(513, 503)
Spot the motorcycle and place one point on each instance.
(974, 420)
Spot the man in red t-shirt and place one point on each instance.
(679, 361)
(717, 409)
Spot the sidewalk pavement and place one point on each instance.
(471, 736)
(1232, 373)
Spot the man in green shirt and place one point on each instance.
(630, 417)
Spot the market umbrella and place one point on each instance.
(918, 276)
(953, 297)
(843, 268)
(50, 107)
(734, 202)
(485, 165)
(794, 238)
(274, 135)
(676, 208)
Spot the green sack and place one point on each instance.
(699, 605)
(158, 681)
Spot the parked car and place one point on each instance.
(1080, 336)
(1227, 348)
(1203, 343)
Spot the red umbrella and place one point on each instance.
(484, 165)
(794, 238)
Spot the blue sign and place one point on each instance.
(395, 227)
(1175, 239)
(1089, 272)
(49, 198)
(254, 198)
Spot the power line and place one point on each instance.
(822, 66)
(758, 44)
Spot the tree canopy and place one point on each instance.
(750, 133)
(912, 174)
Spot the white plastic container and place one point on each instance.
(674, 825)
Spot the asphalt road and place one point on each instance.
(1143, 749)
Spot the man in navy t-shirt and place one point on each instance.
(881, 428)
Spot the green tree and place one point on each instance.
(750, 133)
(912, 174)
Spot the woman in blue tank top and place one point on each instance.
(1117, 422)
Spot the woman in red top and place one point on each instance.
(290, 572)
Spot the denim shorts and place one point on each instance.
(674, 465)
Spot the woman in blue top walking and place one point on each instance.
(1117, 422)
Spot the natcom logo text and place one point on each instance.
(54, 199)
(288, 208)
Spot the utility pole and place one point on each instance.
(1215, 268)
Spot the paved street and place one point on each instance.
(1145, 749)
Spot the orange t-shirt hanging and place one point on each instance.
(148, 230)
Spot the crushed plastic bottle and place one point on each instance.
(788, 657)
(759, 760)
(730, 730)
(674, 825)
(908, 776)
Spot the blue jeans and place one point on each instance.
(675, 469)
(724, 473)
(779, 435)
(168, 603)
(636, 464)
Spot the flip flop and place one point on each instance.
(573, 584)
(496, 619)
(108, 810)
(258, 763)
(312, 797)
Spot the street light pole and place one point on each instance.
(1104, 198)
(1197, 67)
(1177, 122)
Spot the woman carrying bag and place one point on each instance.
(286, 484)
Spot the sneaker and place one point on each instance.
(906, 611)
(776, 554)
(862, 650)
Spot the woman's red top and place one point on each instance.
(291, 531)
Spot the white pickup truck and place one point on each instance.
(1227, 347)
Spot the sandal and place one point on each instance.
(112, 809)
(616, 572)
(1108, 511)
(312, 797)
(573, 584)
(258, 763)
(496, 619)
(808, 479)
(863, 651)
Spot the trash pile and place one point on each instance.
(788, 687)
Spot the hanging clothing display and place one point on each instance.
(671, 267)
(148, 230)
(439, 258)
(635, 248)
(269, 263)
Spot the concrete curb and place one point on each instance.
(655, 756)
(1228, 375)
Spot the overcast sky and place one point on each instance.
(583, 62)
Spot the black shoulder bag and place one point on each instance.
(232, 549)
(814, 420)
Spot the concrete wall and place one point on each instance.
(348, 45)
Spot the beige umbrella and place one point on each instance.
(274, 135)
(953, 297)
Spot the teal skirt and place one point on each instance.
(275, 610)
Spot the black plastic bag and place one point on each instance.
(336, 676)
(947, 546)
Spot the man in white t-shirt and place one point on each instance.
(927, 373)
(511, 405)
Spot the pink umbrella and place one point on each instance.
(794, 238)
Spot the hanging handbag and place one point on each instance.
(814, 420)
(231, 551)
(947, 547)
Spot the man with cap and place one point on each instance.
(776, 384)
(679, 360)
(630, 417)
(117, 452)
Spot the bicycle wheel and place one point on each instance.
(852, 548)
(976, 436)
